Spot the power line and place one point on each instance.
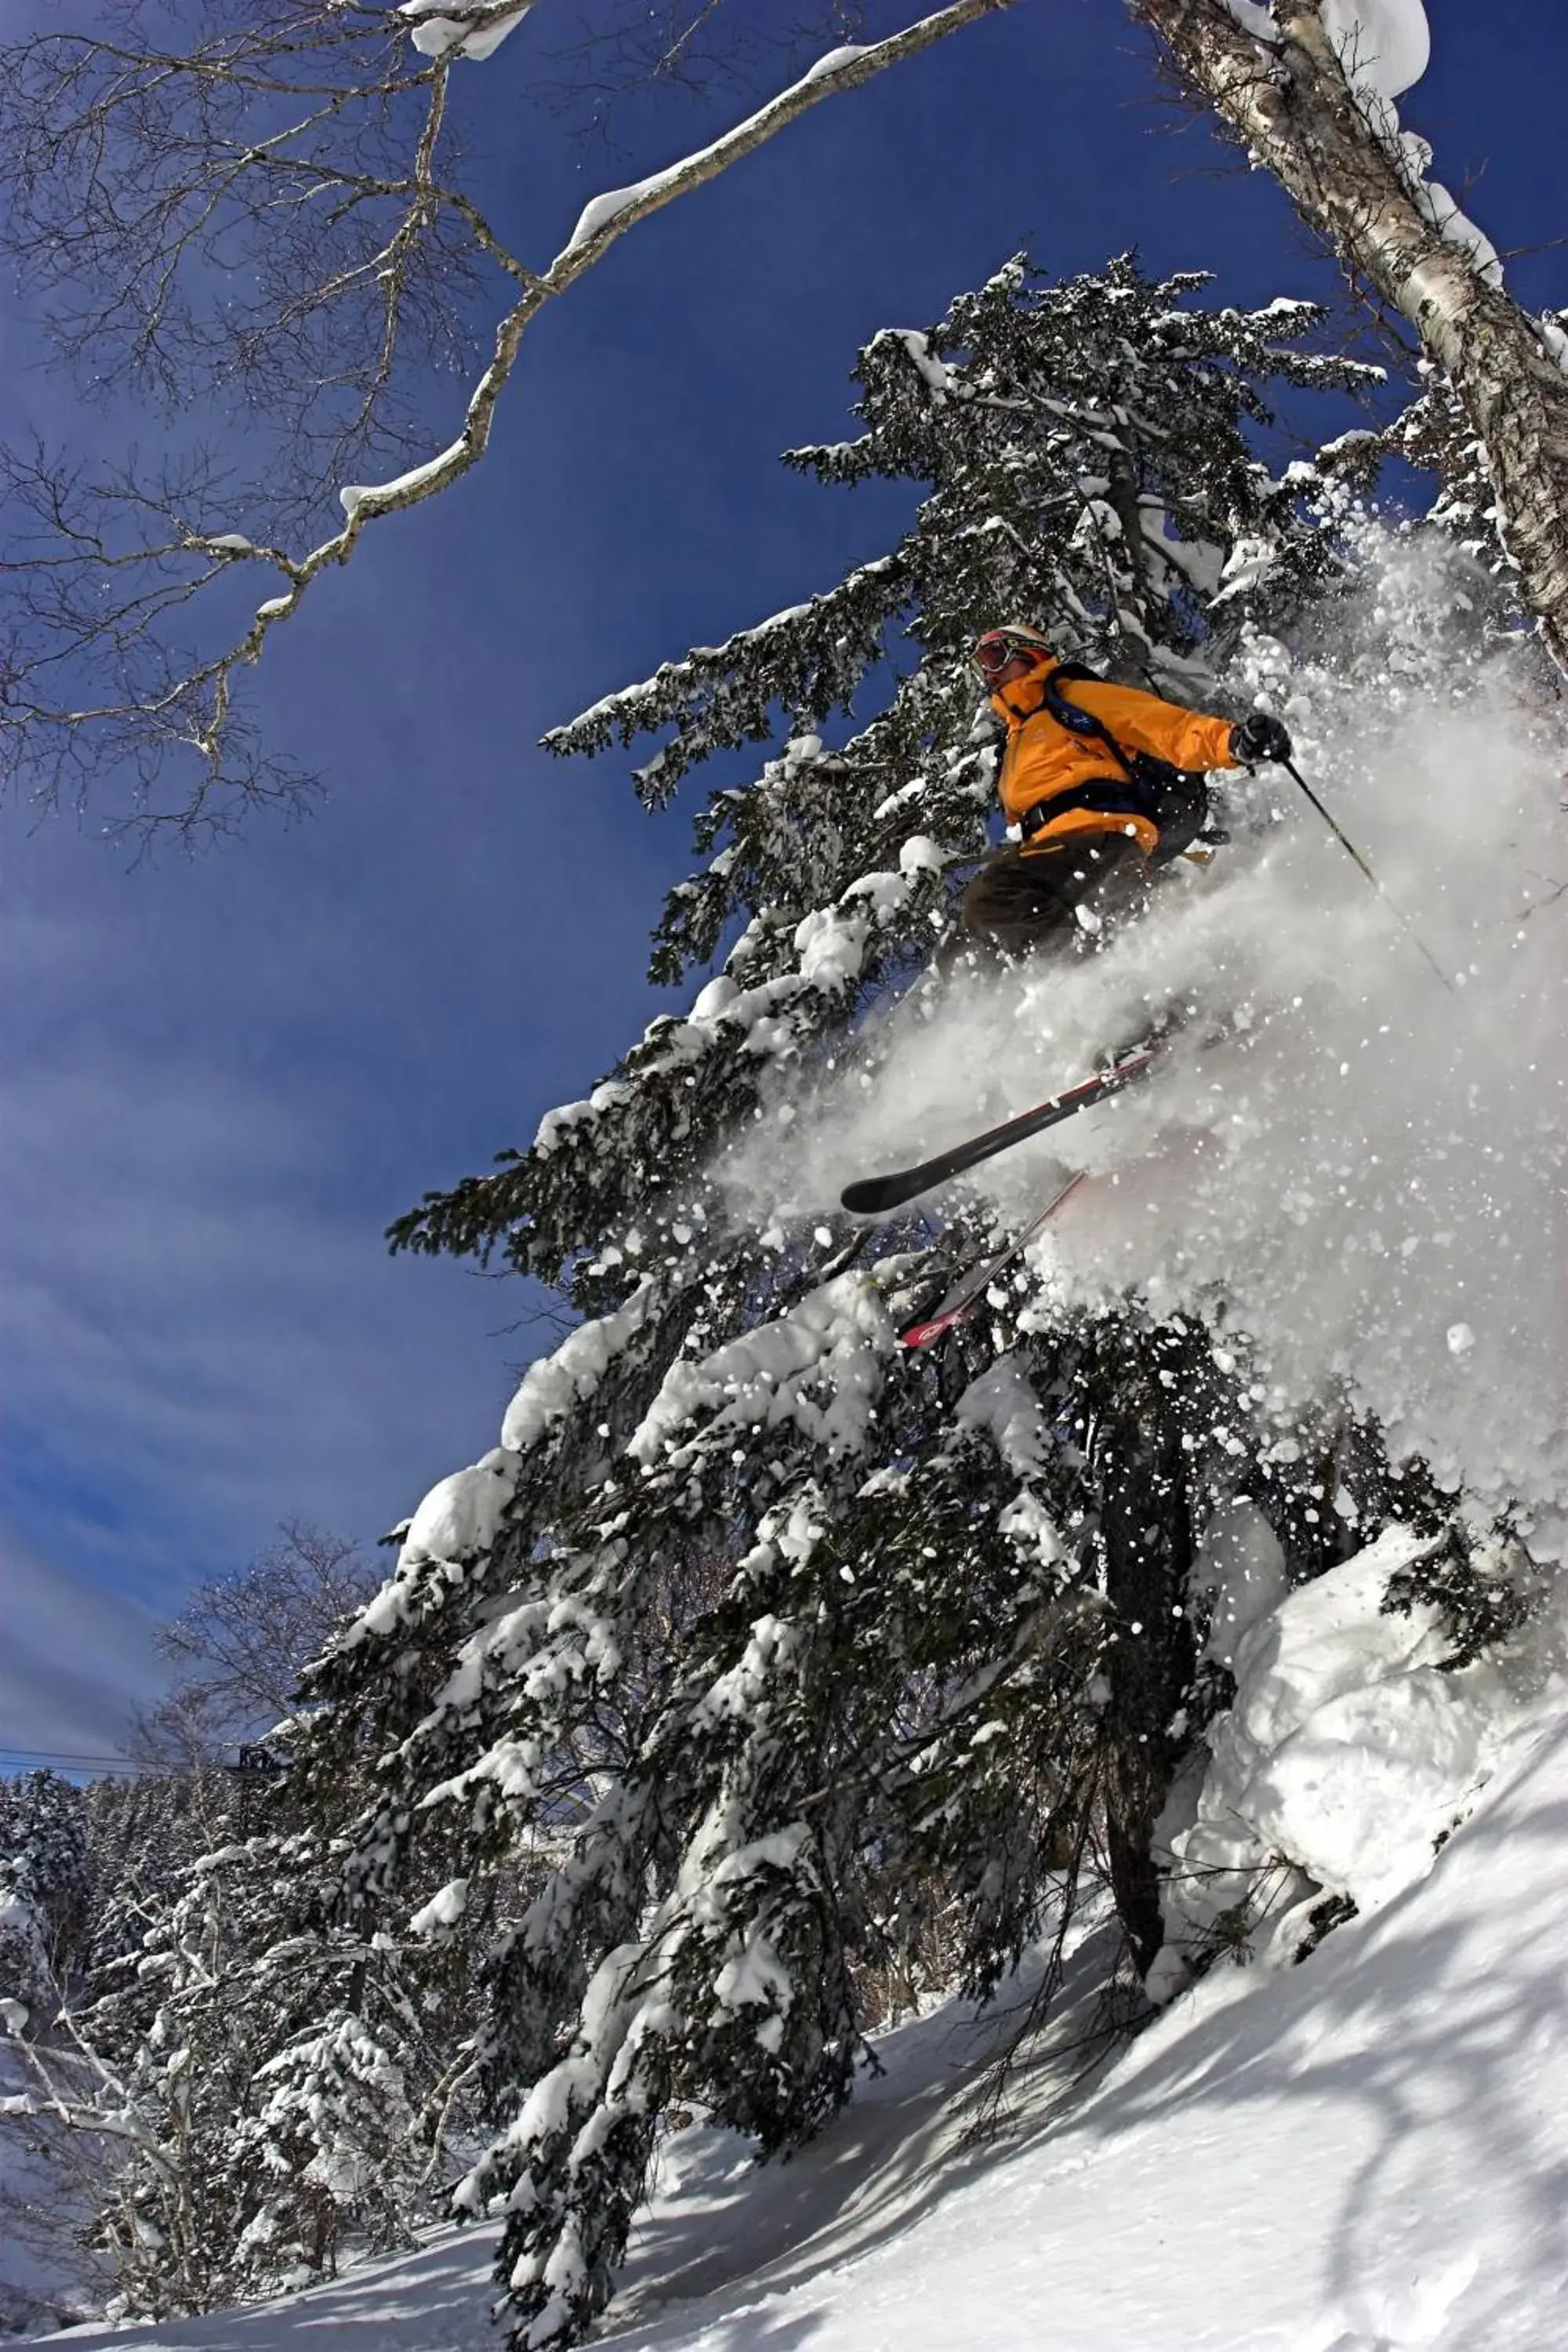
(249, 1758)
(71, 1756)
(73, 1762)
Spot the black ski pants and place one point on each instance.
(1026, 898)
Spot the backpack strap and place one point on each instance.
(1139, 796)
(1074, 717)
(1106, 798)
(1173, 802)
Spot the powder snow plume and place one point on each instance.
(1367, 1181)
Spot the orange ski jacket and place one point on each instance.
(1043, 758)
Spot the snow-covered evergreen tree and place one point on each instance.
(45, 1900)
(1085, 461)
(254, 2090)
(755, 1636)
(228, 2088)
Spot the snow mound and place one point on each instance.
(1347, 1759)
(1384, 44)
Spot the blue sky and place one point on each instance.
(219, 1078)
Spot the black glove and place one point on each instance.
(1259, 737)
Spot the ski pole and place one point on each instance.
(1347, 845)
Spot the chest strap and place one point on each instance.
(1107, 798)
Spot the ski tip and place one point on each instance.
(924, 1334)
(873, 1195)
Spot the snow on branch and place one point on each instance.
(810, 657)
(604, 219)
(441, 30)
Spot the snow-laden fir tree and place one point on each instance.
(44, 1894)
(245, 2089)
(756, 1640)
(223, 2088)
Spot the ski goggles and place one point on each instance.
(1000, 656)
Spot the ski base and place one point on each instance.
(924, 1335)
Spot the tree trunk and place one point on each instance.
(1292, 106)
(1146, 1529)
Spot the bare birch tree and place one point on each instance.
(241, 1642)
(260, 211)
(1313, 113)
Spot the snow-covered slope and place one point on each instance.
(1362, 2153)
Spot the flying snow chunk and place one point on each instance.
(1461, 1339)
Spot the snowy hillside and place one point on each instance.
(1362, 2153)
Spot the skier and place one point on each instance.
(1105, 783)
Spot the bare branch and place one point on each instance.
(240, 1646)
(292, 147)
(698, 48)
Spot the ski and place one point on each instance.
(873, 1196)
(975, 1285)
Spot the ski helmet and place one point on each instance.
(999, 648)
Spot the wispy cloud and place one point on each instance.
(220, 1078)
(200, 1330)
(74, 1659)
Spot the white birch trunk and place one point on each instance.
(1292, 104)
